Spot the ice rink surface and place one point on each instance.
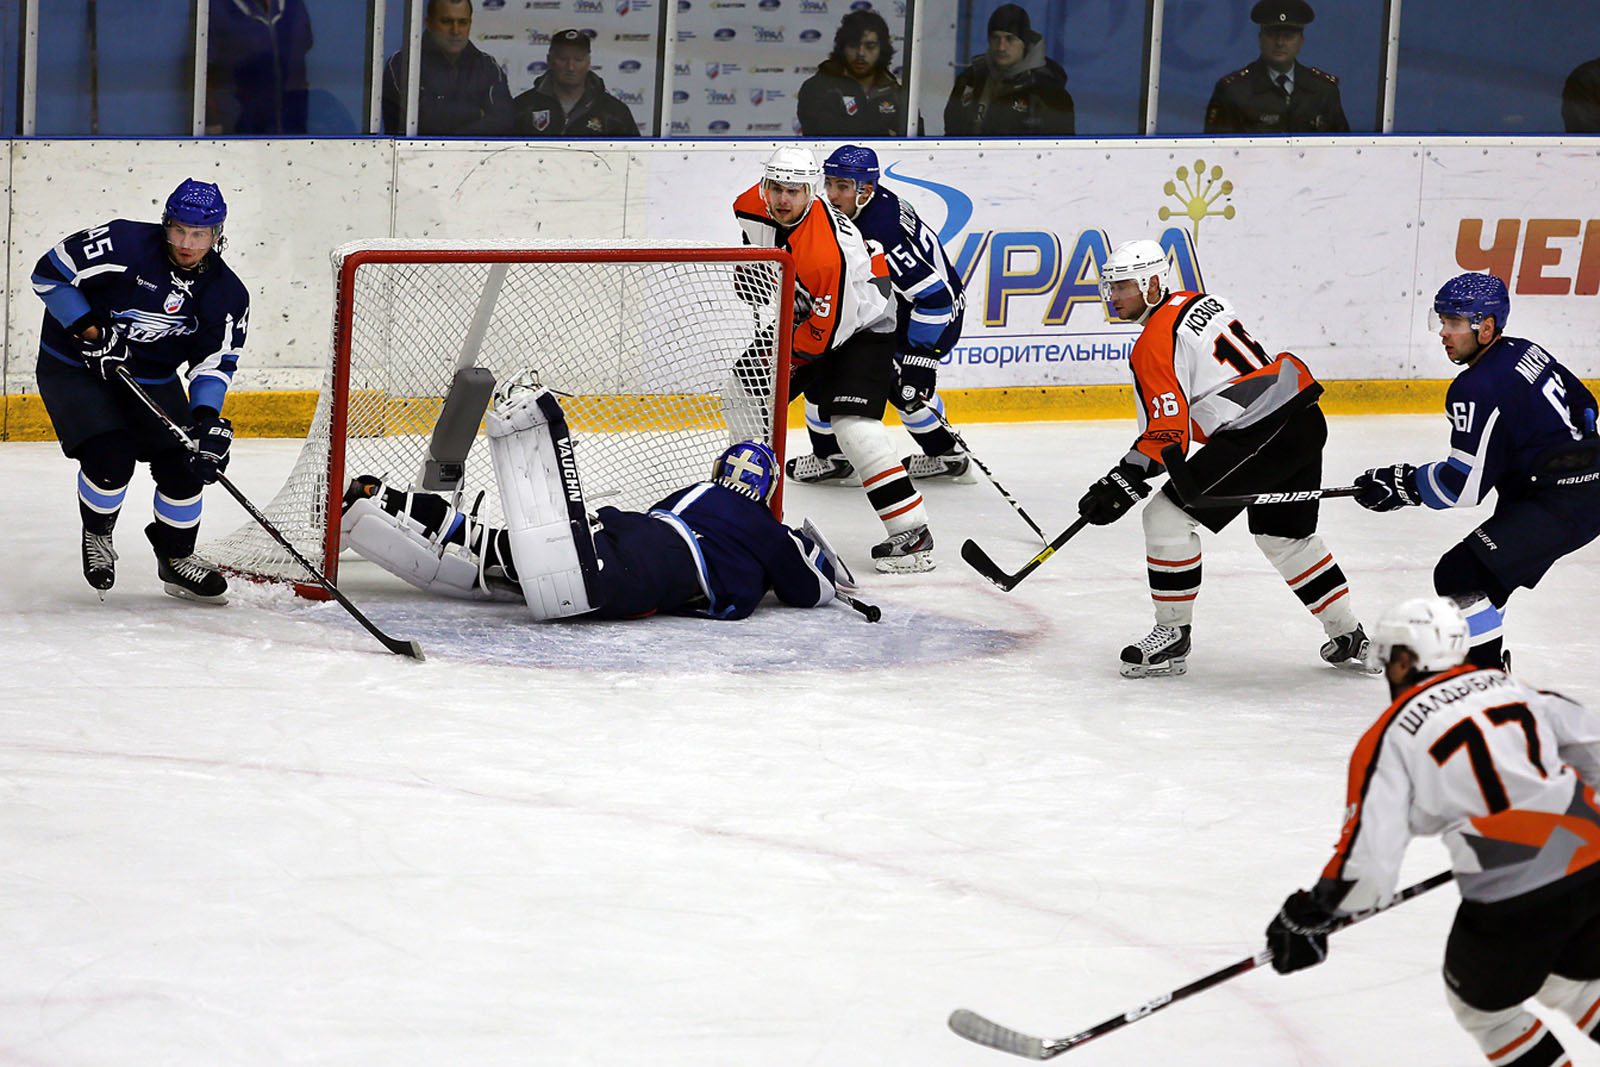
(247, 835)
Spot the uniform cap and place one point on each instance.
(1289, 14)
(1013, 19)
(571, 38)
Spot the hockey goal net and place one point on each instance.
(641, 341)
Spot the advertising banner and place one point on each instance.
(1325, 248)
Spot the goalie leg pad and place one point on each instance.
(400, 545)
(547, 527)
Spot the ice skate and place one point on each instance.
(1349, 650)
(187, 577)
(813, 469)
(906, 552)
(956, 466)
(1165, 651)
(99, 561)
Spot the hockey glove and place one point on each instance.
(1388, 488)
(1298, 934)
(107, 352)
(213, 436)
(1114, 494)
(918, 371)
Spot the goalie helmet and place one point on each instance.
(1472, 296)
(749, 468)
(1432, 627)
(1137, 261)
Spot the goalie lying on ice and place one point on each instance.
(711, 549)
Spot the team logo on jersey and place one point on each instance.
(886, 107)
(595, 124)
(173, 303)
(1197, 193)
(849, 105)
(540, 119)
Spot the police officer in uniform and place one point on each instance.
(1275, 94)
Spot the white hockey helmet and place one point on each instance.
(1137, 261)
(792, 165)
(1432, 627)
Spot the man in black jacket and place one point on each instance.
(1012, 90)
(463, 91)
(569, 100)
(1275, 94)
(852, 94)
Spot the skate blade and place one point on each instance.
(1171, 668)
(1356, 666)
(172, 589)
(912, 564)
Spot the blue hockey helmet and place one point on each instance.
(1472, 296)
(748, 468)
(853, 162)
(196, 204)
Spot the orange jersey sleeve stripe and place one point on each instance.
(1364, 763)
(819, 262)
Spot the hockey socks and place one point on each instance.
(1313, 576)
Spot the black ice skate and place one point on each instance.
(906, 552)
(187, 577)
(953, 465)
(1349, 650)
(1165, 651)
(99, 561)
(813, 469)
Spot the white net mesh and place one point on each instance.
(643, 347)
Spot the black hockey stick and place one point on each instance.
(974, 1027)
(870, 611)
(1189, 491)
(398, 647)
(979, 560)
(987, 473)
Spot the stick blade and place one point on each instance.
(979, 561)
(981, 1031)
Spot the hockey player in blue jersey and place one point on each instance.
(156, 299)
(930, 303)
(1521, 424)
(711, 549)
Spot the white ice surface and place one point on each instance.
(248, 835)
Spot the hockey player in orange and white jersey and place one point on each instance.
(1505, 774)
(843, 341)
(1200, 377)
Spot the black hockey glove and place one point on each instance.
(107, 352)
(918, 371)
(213, 435)
(1388, 488)
(1114, 494)
(1298, 934)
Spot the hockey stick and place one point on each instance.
(975, 1028)
(987, 473)
(1189, 491)
(869, 610)
(398, 647)
(979, 560)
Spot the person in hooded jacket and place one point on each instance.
(1013, 89)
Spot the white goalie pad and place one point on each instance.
(546, 525)
(398, 544)
(842, 578)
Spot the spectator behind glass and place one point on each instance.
(1580, 99)
(1275, 94)
(570, 100)
(1012, 90)
(256, 66)
(463, 91)
(852, 94)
